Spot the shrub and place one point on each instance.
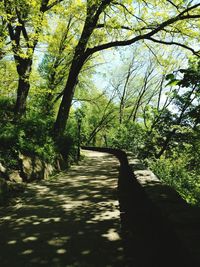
(173, 171)
(129, 137)
(6, 109)
(67, 148)
(34, 138)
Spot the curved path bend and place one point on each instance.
(70, 221)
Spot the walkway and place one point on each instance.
(71, 221)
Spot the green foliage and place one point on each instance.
(129, 137)
(31, 136)
(173, 171)
(179, 163)
(34, 137)
(8, 139)
(6, 109)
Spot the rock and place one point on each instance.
(38, 169)
(27, 167)
(34, 168)
(48, 170)
(3, 172)
(2, 169)
(14, 176)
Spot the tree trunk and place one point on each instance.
(166, 144)
(24, 71)
(121, 109)
(122, 100)
(22, 93)
(80, 56)
(77, 63)
(68, 94)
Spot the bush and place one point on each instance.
(129, 137)
(8, 145)
(35, 138)
(6, 109)
(173, 171)
(31, 136)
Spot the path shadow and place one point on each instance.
(73, 221)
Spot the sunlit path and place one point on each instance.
(71, 221)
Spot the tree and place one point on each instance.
(187, 103)
(135, 82)
(99, 114)
(54, 66)
(25, 22)
(124, 87)
(144, 21)
(104, 115)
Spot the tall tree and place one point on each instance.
(24, 23)
(187, 104)
(111, 23)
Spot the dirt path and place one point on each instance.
(72, 221)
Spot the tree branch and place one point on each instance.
(45, 7)
(197, 53)
(176, 6)
(160, 27)
(23, 28)
(130, 13)
(102, 25)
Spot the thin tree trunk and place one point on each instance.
(24, 71)
(143, 90)
(99, 127)
(179, 120)
(166, 143)
(134, 115)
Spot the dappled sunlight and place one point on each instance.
(106, 212)
(112, 235)
(12, 242)
(71, 221)
(30, 238)
(57, 242)
(27, 252)
(61, 251)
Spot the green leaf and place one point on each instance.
(170, 77)
(173, 82)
